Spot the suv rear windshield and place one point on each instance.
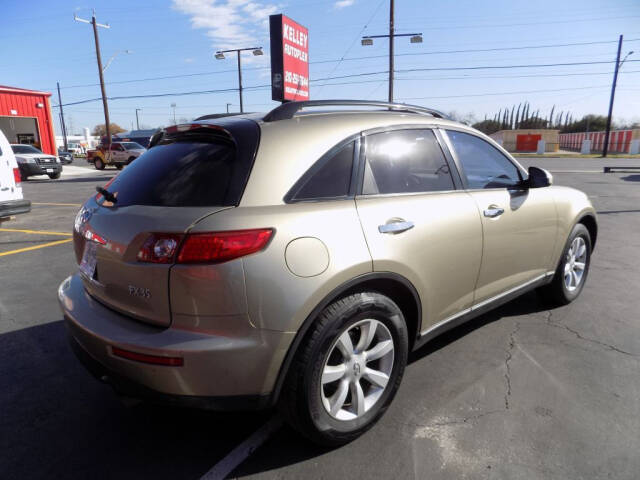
(195, 168)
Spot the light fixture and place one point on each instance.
(219, 56)
(367, 41)
(416, 39)
(257, 52)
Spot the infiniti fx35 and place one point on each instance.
(296, 258)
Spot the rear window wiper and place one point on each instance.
(108, 196)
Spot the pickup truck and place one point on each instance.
(11, 201)
(118, 154)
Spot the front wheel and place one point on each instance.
(572, 271)
(99, 164)
(54, 176)
(347, 370)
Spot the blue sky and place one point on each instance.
(42, 44)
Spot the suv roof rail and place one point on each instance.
(289, 109)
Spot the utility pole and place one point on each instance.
(173, 106)
(228, 105)
(137, 119)
(391, 33)
(64, 127)
(220, 56)
(368, 40)
(613, 94)
(95, 26)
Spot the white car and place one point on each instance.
(11, 201)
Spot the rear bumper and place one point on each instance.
(219, 372)
(14, 207)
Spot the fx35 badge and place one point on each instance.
(139, 292)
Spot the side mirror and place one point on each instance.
(539, 177)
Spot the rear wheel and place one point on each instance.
(347, 370)
(99, 164)
(572, 271)
(119, 166)
(130, 159)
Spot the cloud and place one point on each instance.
(229, 23)
(343, 3)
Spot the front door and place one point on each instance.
(519, 224)
(417, 224)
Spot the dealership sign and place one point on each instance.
(289, 59)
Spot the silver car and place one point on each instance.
(296, 258)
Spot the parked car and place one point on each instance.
(33, 162)
(119, 154)
(65, 156)
(296, 259)
(11, 200)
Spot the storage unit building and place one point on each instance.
(25, 117)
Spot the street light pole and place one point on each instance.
(137, 119)
(95, 26)
(240, 82)
(368, 40)
(220, 56)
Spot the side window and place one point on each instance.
(330, 178)
(482, 164)
(405, 161)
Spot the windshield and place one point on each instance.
(24, 149)
(132, 146)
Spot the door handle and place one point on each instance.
(395, 227)
(493, 211)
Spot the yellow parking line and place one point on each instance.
(26, 249)
(58, 204)
(35, 232)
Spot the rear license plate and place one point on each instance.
(49, 170)
(88, 263)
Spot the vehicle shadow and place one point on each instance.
(52, 410)
(55, 411)
(631, 178)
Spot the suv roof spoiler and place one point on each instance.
(289, 109)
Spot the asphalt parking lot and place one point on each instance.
(521, 392)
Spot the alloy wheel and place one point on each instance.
(357, 370)
(575, 264)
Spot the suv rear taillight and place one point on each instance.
(215, 247)
(17, 177)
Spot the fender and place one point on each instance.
(335, 293)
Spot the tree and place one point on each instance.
(100, 130)
(488, 126)
(596, 123)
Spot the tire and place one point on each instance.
(99, 164)
(567, 283)
(130, 159)
(119, 166)
(54, 176)
(312, 406)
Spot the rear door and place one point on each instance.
(417, 224)
(519, 224)
(187, 176)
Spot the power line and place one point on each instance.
(338, 61)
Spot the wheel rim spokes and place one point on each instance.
(355, 377)
(575, 264)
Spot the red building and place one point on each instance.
(25, 117)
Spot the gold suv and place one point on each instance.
(296, 258)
